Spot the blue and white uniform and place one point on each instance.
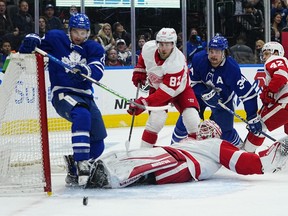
(228, 81)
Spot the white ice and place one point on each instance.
(225, 194)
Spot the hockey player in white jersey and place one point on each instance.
(165, 67)
(72, 95)
(190, 160)
(274, 96)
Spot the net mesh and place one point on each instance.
(21, 159)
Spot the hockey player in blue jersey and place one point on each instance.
(216, 76)
(72, 95)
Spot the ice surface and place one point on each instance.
(225, 194)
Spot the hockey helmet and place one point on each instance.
(208, 129)
(79, 20)
(273, 46)
(218, 42)
(166, 35)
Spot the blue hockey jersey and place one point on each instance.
(226, 79)
(91, 53)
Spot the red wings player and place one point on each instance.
(274, 96)
(165, 67)
(189, 160)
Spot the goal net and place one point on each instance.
(33, 138)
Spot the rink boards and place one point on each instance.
(114, 108)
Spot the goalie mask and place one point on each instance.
(208, 129)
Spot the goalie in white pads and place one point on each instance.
(190, 160)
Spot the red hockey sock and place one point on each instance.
(149, 137)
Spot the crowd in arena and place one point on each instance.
(17, 20)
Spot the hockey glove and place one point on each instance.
(210, 97)
(267, 96)
(133, 109)
(139, 77)
(254, 124)
(81, 69)
(30, 42)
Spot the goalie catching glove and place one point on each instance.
(78, 70)
(30, 42)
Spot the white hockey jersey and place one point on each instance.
(170, 75)
(277, 65)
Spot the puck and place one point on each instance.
(85, 200)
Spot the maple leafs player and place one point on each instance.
(165, 67)
(190, 160)
(216, 76)
(274, 96)
(72, 95)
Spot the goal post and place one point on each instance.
(33, 137)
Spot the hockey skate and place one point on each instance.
(98, 177)
(275, 157)
(71, 177)
(83, 172)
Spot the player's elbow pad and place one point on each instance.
(277, 83)
(97, 71)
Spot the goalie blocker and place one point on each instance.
(190, 160)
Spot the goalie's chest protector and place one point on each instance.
(156, 68)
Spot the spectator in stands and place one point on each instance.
(140, 44)
(279, 7)
(242, 53)
(6, 50)
(14, 38)
(23, 20)
(120, 33)
(251, 23)
(42, 26)
(194, 45)
(276, 27)
(72, 10)
(5, 23)
(112, 58)
(179, 43)
(258, 51)
(105, 37)
(53, 21)
(124, 54)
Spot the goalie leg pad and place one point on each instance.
(123, 169)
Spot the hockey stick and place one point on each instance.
(127, 143)
(244, 120)
(52, 58)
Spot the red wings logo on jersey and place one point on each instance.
(154, 79)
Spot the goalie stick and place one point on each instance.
(54, 59)
(244, 120)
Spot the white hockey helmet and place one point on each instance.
(273, 46)
(208, 129)
(166, 35)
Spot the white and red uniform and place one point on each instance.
(169, 83)
(276, 114)
(191, 160)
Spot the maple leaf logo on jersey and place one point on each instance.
(73, 59)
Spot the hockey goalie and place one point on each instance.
(191, 160)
